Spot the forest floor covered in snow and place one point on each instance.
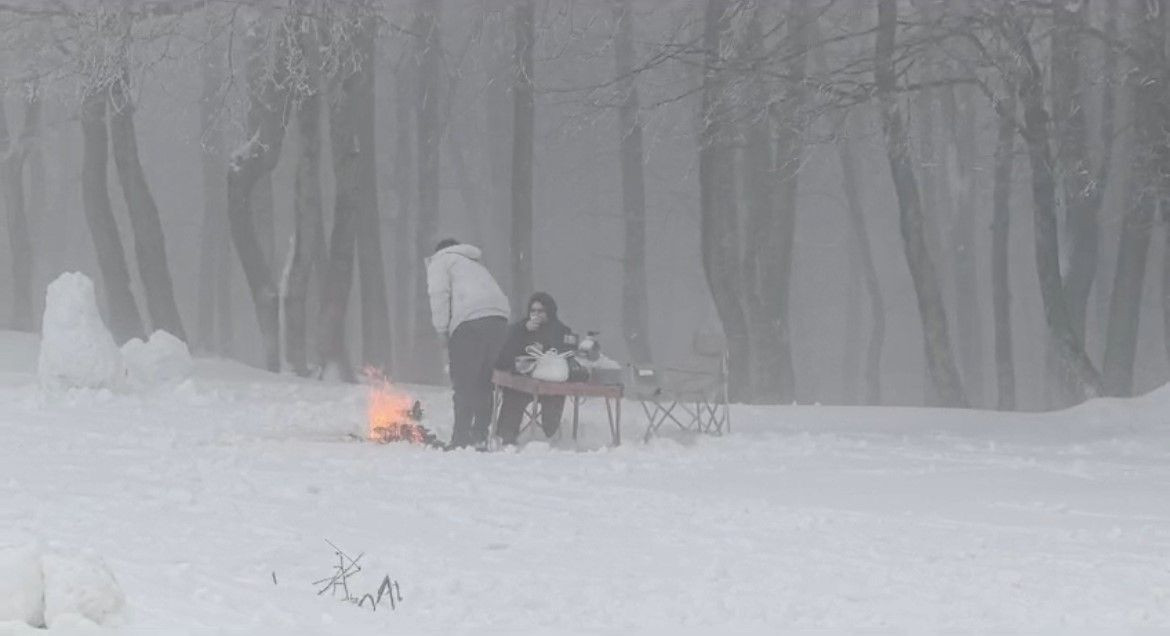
(211, 502)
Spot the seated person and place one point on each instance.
(540, 327)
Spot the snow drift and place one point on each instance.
(164, 359)
(47, 589)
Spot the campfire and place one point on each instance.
(391, 414)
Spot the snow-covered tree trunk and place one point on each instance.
(940, 358)
(758, 175)
(428, 56)
(635, 312)
(268, 104)
(307, 205)
(859, 245)
(1082, 176)
(149, 242)
(375, 313)
(13, 157)
(124, 320)
(523, 146)
(860, 259)
(934, 192)
(1073, 161)
(1147, 85)
(777, 379)
(497, 143)
(959, 118)
(718, 228)
(1074, 367)
(402, 176)
(346, 145)
(1001, 296)
(213, 327)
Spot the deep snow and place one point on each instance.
(211, 501)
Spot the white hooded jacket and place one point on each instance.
(461, 288)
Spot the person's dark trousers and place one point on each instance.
(471, 353)
(512, 412)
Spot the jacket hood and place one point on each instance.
(462, 249)
(550, 305)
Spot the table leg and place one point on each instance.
(617, 430)
(576, 405)
(609, 409)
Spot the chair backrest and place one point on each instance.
(712, 346)
(705, 373)
(709, 344)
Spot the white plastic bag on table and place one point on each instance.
(550, 365)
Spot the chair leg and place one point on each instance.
(651, 420)
(530, 417)
(656, 416)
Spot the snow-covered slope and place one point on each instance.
(211, 503)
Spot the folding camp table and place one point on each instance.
(576, 392)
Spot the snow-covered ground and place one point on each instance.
(211, 502)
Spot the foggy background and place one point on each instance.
(186, 72)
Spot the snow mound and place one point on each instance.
(79, 587)
(164, 359)
(76, 348)
(22, 585)
(40, 589)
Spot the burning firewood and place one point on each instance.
(392, 415)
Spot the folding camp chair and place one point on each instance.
(530, 417)
(693, 398)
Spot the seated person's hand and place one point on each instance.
(533, 323)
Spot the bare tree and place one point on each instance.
(859, 244)
(523, 144)
(497, 141)
(718, 229)
(939, 356)
(12, 162)
(1074, 367)
(346, 86)
(1082, 183)
(772, 156)
(635, 314)
(213, 326)
(375, 313)
(428, 60)
(307, 205)
(959, 117)
(402, 177)
(1147, 84)
(268, 108)
(777, 258)
(149, 242)
(125, 321)
(759, 175)
(1001, 297)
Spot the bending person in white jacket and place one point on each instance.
(470, 311)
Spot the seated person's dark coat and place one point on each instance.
(553, 334)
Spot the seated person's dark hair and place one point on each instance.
(445, 243)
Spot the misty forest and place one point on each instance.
(884, 203)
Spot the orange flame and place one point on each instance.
(387, 411)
